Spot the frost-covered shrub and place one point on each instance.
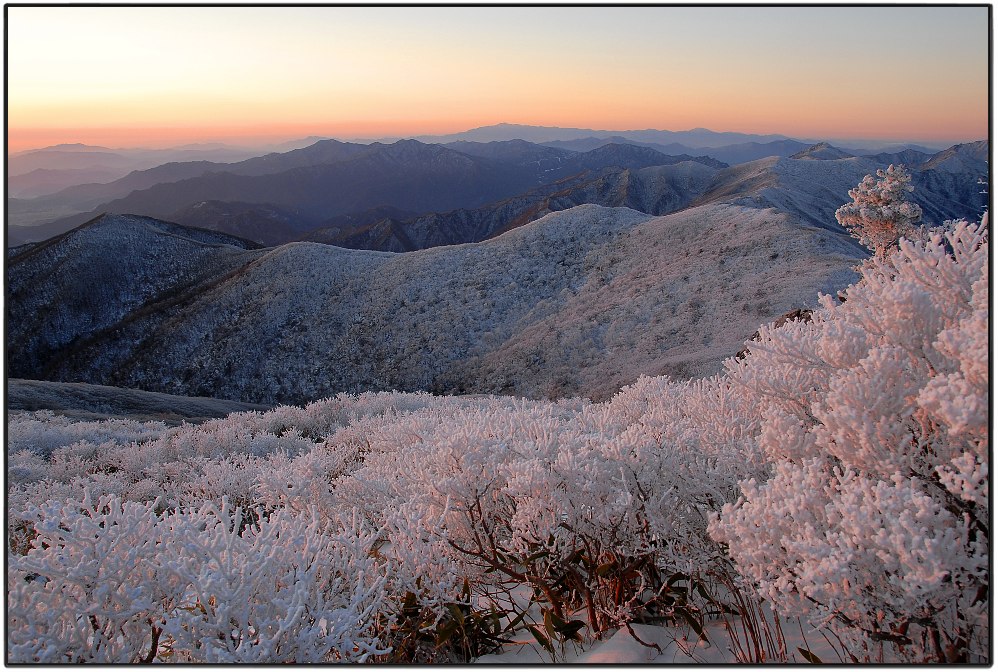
(875, 520)
(414, 465)
(89, 589)
(43, 431)
(595, 506)
(114, 582)
(285, 590)
(245, 432)
(319, 419)
(233, 477)
(26, 466)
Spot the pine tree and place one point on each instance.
(880, 213)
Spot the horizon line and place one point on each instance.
(253, 137)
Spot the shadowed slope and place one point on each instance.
(92, 277)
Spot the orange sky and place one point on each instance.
(134, 76)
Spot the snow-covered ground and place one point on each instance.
(81, 401)
(662, 645)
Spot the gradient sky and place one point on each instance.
(141, 76)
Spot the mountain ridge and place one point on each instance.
(218, 319)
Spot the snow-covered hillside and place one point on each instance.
(579, 302)
(674, 295)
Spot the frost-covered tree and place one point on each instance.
(880, 213)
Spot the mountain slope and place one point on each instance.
(81, 282)
(590, 143)
(821, 151)
(752, 151)
(816, 184)
(629, 156)
(316, 154)
(578, 302)
(19, 235)
(87, 196)
(263, 223)
(971, 156)
(671, 296)
(519, 152)
(912, 158)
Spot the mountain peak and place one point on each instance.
(71, 147)
(409, 147)
(968, 155)
(822, 151)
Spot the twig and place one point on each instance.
(650, 645)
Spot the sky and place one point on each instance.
(161, 76)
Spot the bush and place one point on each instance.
(875, 520)
(114, 582)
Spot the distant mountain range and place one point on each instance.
(697, 137)
(46, 171)
(730, 154)
(674, 141)
(330, 179)
(42, 181)
(311, 192)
